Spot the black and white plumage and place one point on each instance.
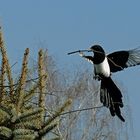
(104, 65)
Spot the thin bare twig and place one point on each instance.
(84, 109)
(30, 80)
(14, 64)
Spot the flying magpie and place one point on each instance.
(104, 65)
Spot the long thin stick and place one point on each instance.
(79, 110)
(79, 51)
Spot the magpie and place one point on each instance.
(104, 66)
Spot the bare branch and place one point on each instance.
(84, 109)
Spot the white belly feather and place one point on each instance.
(102, 68)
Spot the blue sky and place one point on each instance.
(63, 26)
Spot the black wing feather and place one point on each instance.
(123, 59)
(117, 60)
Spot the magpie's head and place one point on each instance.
(99, 53)
(97, 49)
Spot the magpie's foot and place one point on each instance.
(97, 77)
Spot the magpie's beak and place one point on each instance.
(90, 50)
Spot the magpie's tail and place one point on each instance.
(111, 97)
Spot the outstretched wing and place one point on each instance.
(123, 59)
